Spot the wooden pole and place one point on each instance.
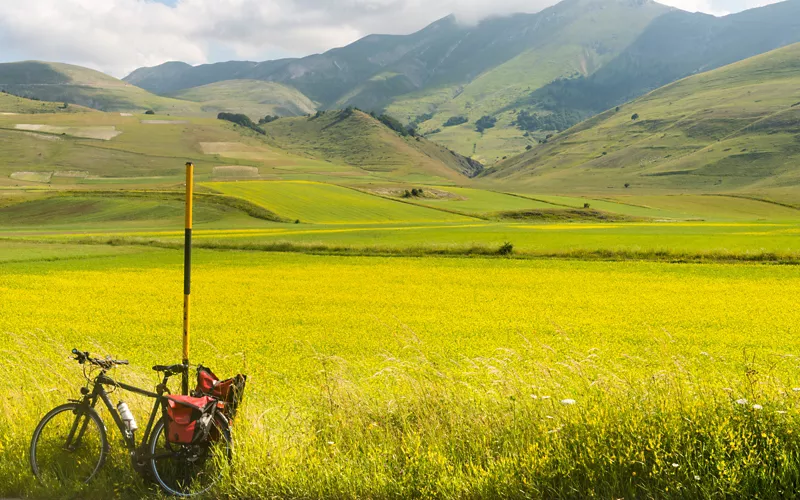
(187, 273)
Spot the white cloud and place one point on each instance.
(118, 36)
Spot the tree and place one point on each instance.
(149, 112)
(485, 122)
(242, 120)
(627, 185)
(635, 116)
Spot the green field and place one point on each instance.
(326, 203)
(363, 381)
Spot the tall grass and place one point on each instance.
(544, 422)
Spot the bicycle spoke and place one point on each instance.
(68, 446)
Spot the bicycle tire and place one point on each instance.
(158, 433)
(78, 410)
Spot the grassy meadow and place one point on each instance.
(404, 377)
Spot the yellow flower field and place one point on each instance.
(404, 377)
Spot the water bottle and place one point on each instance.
(127, 416)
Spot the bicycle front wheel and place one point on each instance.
(189, 470)
(69, 445)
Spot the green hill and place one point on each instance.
(356, 138)
(58, 82)
(11, 104)
(254, 98)
(732, 129)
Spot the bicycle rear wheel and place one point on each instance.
(189, 470)
(68, 446)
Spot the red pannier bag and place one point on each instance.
(189, 418)
(229, 391)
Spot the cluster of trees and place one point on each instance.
(558, 120)
(421, 118)
(242, 120)
(455, 120)
(268, 119)
(485, 122)
(414, 193)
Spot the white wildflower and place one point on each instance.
(696, 478)
(567, 401)
(796, 389)
(741, 401)
(545, 397)
(675, 465)
(780, 412)
(758, 407)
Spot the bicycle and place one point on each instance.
(70, 444)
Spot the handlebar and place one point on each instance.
(106, 364)
(172, 369)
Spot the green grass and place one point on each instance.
(325, 203)
(729, 130)
(18, 105)
(254, 98)
(478, 201)
(121, 211)
(373, 377)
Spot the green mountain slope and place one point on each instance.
(254, 98)
(736, 128)
(77, 85)
(357, 139)
(675, 45)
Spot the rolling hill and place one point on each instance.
(356, 138)
(736, 128)
(78, 85)
(254, 98)
(58, 82)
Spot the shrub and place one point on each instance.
(485, 122)
(528, 147)
(506, 249)
(149, 112)
(585, 205)
(268, 119)
(455, 120)
(627, 185)
(635, 116)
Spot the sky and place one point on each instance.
(118, 36)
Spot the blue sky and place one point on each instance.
(118, 36)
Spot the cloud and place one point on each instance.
(117, 36)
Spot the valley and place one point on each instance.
(538, 255)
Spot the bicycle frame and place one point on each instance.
(99, 393)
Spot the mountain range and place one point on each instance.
(559, 66)
(488, 91)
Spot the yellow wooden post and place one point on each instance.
(187, 272)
